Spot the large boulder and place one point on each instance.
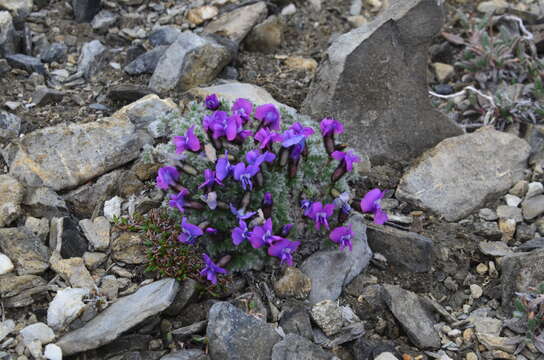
(374, 80)
(460, 174)
(331, 270)
(68, 155)
(190, 61)
(127, 312)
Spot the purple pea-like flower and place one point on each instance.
(347, 158)
(189, 232)
(285, 230)
(370, 203)
(167, 176)
(283, 249)
(217, 117)
(261, 235)
(209, 179)
(240, 233)
(212, 102)
(187, 142)
(305, 206)
(295, 135)
(211, 270)
(243, 174)
(266, 138)
(342, 202)
(256, 158)
(269, 115)
(178, 201)
(319, 213)
(342, 235)
(241, 214)
(244, 108)
(223, 168)
(330, 126)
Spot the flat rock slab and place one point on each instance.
(374, 80)
(65, 156)
(519, 272)
(25, 250)
(295, 347)
(127, 312)
(405, 249)
(331, 270)
(414, 318)
(234, 335)
(146, 110)
(236, 24)
(460, 174)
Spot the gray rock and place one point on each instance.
(488, 214)
(232, 334)
(494, 248)
(12, 285)
(186, 294)
(93, 260)
(191, 354)
(251, 304)
(267, 36)
(408, 250)
(25, 62)
(165, 35)
(533, 207)
(4, 66)
(127, 93)
(146, 63)
(235, 25)
(331, 270)
(328, 316)
(296, 320)
(293, 283)
(11, 196)
(56, 52)
(488, 229)
(190, 61)
(38, 331)
(73, 270)
(129, 248)
(294, 347)
(97, 231)
(414, 318)
(42, 202)
(533, 189)
(146, 110)
(509, 212)
(376, 72)
(519, 272)
(10, 126)
(104, 20)
(45, 96)
(85, 10)
(127, 312)
(460, 174)
(8, 37)
(66, 231)
(91, 57)
(25, 249)
(20, 9)
(67, 155)
(66, 306)
(6, 327)
(530, 245)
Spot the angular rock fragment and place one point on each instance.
(374, 80)
(146, 63)
(85, 10)
(25, 249)
(11, 196)
(297, 347)
(235, 25)
(519, 272)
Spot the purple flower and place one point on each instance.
(241, 214)
(167, 175)
(285, 230)
(331, 126)
(223, 168)
(187, 142)
(212, 102)
(261, 235)
(347, 158)
(370, 203)
(269, 115)
(242, 107)
(178, 201)
(319, 213)
(211, 270)
(342, 235)
(266, 205)
(342, 202)
(305, 206)
(209, 179)
(296, 134)
(189, 232)
(209, 121)
(267, 199)
(244, 174)
(283, 248)
(256, 158)
(240, 233)
(265, 137)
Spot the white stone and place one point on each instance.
(289, 10)
(512, 200)
(97, 231)
(6, 265)
(386, 356)
(112, 208)
(476, 291)
(38, 331)
(66, 307)
(53, 352)
(35, 349)
(6, 327)
(534, 189)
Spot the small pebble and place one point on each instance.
(482, 269)
(512, 200)
(493, 270)
(454, 333)
(471, 356)
(476, 291)
(468, 334)
(534, 189)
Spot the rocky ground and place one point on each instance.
(84, 87)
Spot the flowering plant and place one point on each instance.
(245, 184)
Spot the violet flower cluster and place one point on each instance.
(258, 129)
